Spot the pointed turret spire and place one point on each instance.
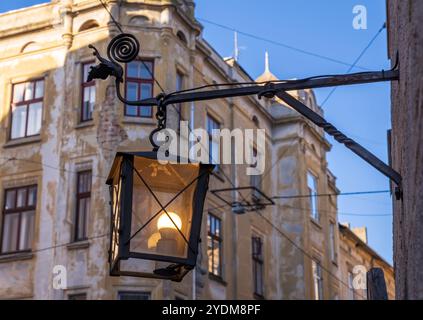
(267, 75)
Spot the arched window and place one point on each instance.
(30, 46)
(181, 36)
(89, 24)
(255, 121)
(139, 20)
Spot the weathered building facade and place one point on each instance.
(356, 257)
(59, 134)
(405, 43)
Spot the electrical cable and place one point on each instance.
(356, 61)
(310, 53)
(333, 194)
(308, 255)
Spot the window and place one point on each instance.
(18, 219)
(317, 280)
(255, 180)
(26, 108)
(256, 121)
(88, 93)
(351, 291)
(179, 87)
(90, 24)
(214, 152)
(134, 295)
(77, 296)
(139, 85)
(214, 245)
(312, 191)
(181, 36)
(83, 204)
(258, 271)
(332, 242)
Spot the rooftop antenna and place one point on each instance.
(236, 50)
(266, 62)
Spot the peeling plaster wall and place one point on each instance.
(352, 254)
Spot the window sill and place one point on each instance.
(316, 223)
(78, 245)
(17, 256)
(22, 141)
(85, 124)
(217, 279)
(139, 120)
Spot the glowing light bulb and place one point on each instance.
(165, 223)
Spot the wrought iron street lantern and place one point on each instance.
(157, 208)
(156, 215)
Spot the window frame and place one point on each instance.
(80, 196)
(84, 85)
(213, 237)
(258, 260)
(139, 82)
(317, 279)
(332, 242)
(351, 290)
(256, 180)
(19, 211)
(314, 201)
(26, 103)
(181, 77)
(215, 162)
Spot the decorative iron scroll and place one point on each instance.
(123, 48)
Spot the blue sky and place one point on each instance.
(323, 27)
(363, 112)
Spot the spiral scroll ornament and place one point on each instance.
(123, 48)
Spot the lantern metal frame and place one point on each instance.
(124, 166)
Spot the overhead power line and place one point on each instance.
(339, 213)
(333, 194)
(281, 44)
(111, 16)
(364, 215)
(356, 61)
(307, 254)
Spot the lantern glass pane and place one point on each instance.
(165, 232)
(116, 191)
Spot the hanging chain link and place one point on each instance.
(161, 116)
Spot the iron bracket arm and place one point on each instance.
(355, 147)
(308, 83)
(124, 48)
